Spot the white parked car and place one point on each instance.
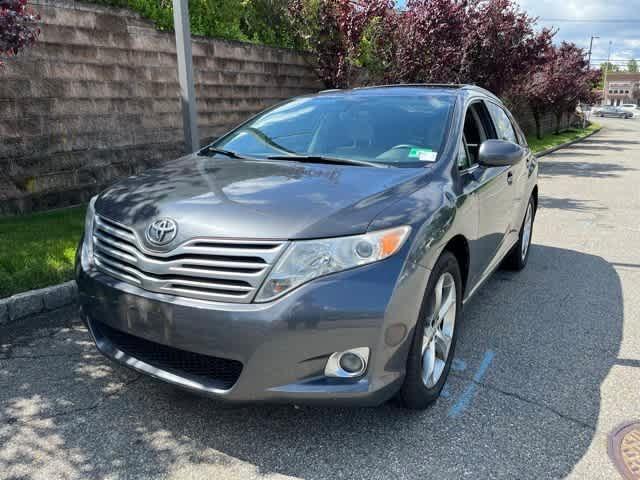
(632, 108)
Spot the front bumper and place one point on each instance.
(282, 346)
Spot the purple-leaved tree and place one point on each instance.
(332, 30)
(500, 45)
(556, 86)
(429, 41)
(18, 27)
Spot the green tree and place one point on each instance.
(609, 67)
(268, 22)
(632, 66)
(258, 21)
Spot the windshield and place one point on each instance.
(400, 130)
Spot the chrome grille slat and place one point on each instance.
(229, 270)
(115, 273)
(267, 255)
(115, 252)
(249, 277)
(175, 281)
(123, 233)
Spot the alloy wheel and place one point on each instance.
(438, 331)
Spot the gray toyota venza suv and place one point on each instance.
(321, 252)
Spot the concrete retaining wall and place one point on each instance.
(548, 122)
(97, 99)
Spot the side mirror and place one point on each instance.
(499, 153)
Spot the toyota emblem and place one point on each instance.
(162, 231)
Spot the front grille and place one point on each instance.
(225, 270)
(220, 373)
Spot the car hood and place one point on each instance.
(234, 198)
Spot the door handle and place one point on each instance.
(510, 178)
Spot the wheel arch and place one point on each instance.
(459, 247)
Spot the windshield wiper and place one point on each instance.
(221, 151)
(323, 159)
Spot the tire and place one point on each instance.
(418, 392)
(518, 257)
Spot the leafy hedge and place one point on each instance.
(259, 21)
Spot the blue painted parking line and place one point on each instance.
(463, 402)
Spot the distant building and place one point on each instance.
(622, 87)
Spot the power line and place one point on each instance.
(612, 60)
(592, 20)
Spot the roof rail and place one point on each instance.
(427, 85)
(481, 90)
(458, 86)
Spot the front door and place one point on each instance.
(494, 191)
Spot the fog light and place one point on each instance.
(351, 363)
(348, 364)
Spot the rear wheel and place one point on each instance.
(435, 336)
(517, 258)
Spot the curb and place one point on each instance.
(566, 144)
(37, 301)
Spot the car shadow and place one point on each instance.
(569, 153)
(552, 167)
(607, 141)
(554, 331)
(569, 204)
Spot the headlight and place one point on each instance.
(309, 259)
(87, 244)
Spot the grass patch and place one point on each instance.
(553, 140)
(38, 250)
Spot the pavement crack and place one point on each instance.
(98, 403)
(535, 403)
(74, 411)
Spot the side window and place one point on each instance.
(477, 129)
(463, 156)
(502, 123)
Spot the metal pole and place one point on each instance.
(604, 80)
(185, 75)
(584, 112)
(591, 48)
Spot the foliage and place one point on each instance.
(430, 41)
(259, 21)
(563, 80)
(488, 42)
(267, 22)
(339, 33)
(18, 26)
(501, 46)
(632, 65)
(609, 67)
(29, 259)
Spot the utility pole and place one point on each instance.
(591, 48)
(185, 75)
(606, 70)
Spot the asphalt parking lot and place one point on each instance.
(547, 365)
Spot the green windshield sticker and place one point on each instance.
(423, 154)
(415, 152)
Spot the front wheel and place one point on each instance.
(435, 336)
(517, 258)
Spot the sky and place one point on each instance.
(617, 21)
